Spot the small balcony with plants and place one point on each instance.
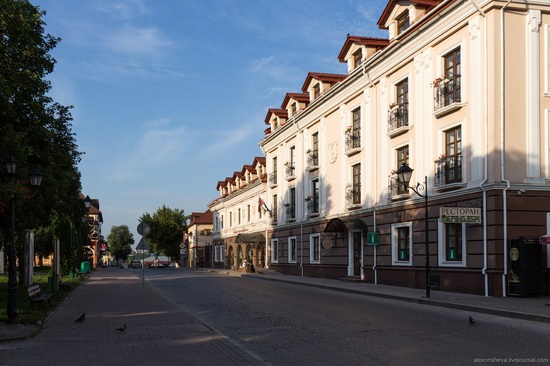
(352, 140)
(290, 169)
(272, 179)
(447, 95)
(398, 119)
(353, 196)
(396, 189)
(312, 206)
(448, 172)
(312, 160)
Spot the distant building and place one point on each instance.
(199, 235)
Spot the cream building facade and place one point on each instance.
(460, 93)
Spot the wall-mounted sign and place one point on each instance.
(372, 238)
(460, 214)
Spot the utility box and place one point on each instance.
(524, 267)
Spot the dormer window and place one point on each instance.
(316, 91)
(294, 109)
(357, 58)
(403, 22)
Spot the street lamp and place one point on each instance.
(404, 176)
(35, 179)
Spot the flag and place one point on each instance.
(261, 204)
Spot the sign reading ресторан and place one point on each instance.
(460, 214)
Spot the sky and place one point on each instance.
(170, 96)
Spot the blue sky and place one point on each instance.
(170, 96)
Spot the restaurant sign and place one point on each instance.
(460, 215)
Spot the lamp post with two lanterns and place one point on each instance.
(35, 180)
(404, 176)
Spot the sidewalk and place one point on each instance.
(157, 331)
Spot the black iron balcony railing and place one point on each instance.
(353, 140)
(290, 211)
(272, 178)
(290, 170)
(395, 188)
(446, 92)
(448, 170)
(398, 117)
(312, 159)
(312, 205)
(353, 195)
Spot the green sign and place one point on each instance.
(372, 238)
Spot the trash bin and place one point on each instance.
(85, 267)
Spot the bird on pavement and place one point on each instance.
(471, 320)
(121, 329)
(81, 318)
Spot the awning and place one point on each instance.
(339, 225)
(250, 238)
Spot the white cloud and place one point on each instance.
(127, 9)
(145, 42)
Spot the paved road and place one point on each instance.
(285, 324)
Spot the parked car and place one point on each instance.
(136, 264)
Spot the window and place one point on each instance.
(401, 114)
(452, 244)
(357, 58)
(356, 128)
(230, 219)
(453, 155)
(293, 109)
(239, 218)
(403, 22)
(216, 224)
(221, 223)
(248, 213)
(292, 249)
(452, 75)
(316, 91)
(401, 243)
(356, 186)
(315, 248)
(274, 250)
(275, 208)
(290, 164)
(291, 205)
(402, 158)
(313, 153)
(273, 174)
(314, 208)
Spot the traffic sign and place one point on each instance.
(143, 229)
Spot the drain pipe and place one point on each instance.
(502, 146)
(485, 160)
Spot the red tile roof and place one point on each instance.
(392, 3)
(367, 41)
(282, 113)
(325, 78)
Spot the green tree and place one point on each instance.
(119, 241)
(167, 227)
(34, 128)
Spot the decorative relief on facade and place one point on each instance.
(473, 29)
(534, 20)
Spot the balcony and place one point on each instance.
(353, 142)
(447, 95)
(272, 179)
(448, 172)
(290, 170)
(396, 190)
(398, 119)
(312, 206)
(353, 196)
(312, 160)
(290, 212)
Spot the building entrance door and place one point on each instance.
(357, 253)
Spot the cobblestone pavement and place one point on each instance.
(157, 332)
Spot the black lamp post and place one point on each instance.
(404, 176)
(36, 179)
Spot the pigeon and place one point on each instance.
(121, 329)
(81, 318)
(471, 320)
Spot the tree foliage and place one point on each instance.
(33, 127)
(120, 240)
(167, 227)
